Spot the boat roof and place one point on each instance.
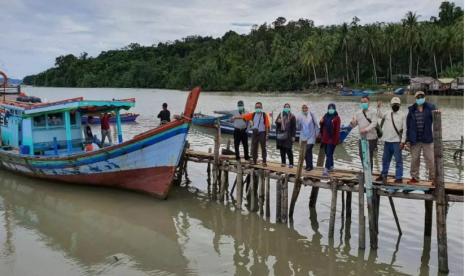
(85, 106)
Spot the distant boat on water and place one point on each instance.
(125, 118)
(200, 119)
(399, 91)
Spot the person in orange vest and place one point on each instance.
(261, 125)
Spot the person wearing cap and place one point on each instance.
(309, 130)
(394, 125)
(261, 125)
(285, 135)
(330, 127)
(366, 120)
(420, 135)
(164, 114)
(240, 131)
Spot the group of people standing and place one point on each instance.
(397, 130)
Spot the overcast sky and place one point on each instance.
(34, 32)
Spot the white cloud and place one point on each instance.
(35, 32)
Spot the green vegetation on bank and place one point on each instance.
(282, 56)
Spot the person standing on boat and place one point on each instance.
(285, 133)
(240, 131)
(261, 125)
(309, 130)
(367, 121)
(393, 124)
(420, 135)
(105, 128)
(88, 135)
(164, 115)
(330, 127)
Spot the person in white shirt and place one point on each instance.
(309, 131)
(394, 126)
(366, 120)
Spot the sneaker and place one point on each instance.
(412, 181)
(308, 169)
(291, 166)
(325, 173)
(283, 165)
(398, 181)
(264, 164)
(379, 178)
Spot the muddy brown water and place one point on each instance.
(48, 228)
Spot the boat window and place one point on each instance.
(73, 118)
(39, 121)
(55, 119)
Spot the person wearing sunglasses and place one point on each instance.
(420, 136)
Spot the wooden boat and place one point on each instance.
(125, 118)
(200, 119)
(399, 91)
(228, 128)
(354, 92)
(45, 148)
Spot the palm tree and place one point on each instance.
(310, 56)
(432, 42)
(344, 44)
(391, 33)
(410, 23)
(326, 48)
(370, 39)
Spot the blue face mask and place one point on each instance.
(258, 110)
(286, 110)
(240, 108)
(331, 111)
(420, 101)
(364, 106)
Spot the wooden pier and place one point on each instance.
(253, 183)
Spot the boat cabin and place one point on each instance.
(53, 128)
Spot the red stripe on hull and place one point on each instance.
(154, 181)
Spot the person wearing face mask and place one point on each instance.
(285, 134)
(330, 127)
(420, 135)
(261, 125)
(240, 131)
(366, 120)
(394, 125)
(309, 130)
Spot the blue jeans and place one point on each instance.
(329, 150)
(391, 149)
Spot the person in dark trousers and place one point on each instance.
(330, 127)
(285, 134)
(88, 136)
(261, 125)
(420, 135)
(164, 115)
(240, 131)
(309, 131)
(105, 129)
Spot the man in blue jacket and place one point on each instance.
(420, 135)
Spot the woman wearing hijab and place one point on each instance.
(285, 133)
(330, 126)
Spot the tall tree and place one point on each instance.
(410, 23)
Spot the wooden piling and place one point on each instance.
(319, 163)
(361, 213)
(278, 197)
(253, 197)
(332, 216)
(393, 208)
(216, 161)
(298, 179)
(267, 195)
(284, 199)
(371, 200)
(239, 186)
(224, 182)
(428, 218)
(441, 200)
(348, 205)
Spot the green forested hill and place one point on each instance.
(282, 56)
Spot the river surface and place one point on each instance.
(49, 228)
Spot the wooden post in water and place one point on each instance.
(369, 192)
(267, 195)
(441, 200)
(239, 186)
(284, 199)
(332, 216)
(261, 191)
(253, 195)
(361, 213)
(348, 205)
(224, 182)
(428, 218)
(216, 162)
(319, 163)
(298, 178)
(393, 208)
(278, 197)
